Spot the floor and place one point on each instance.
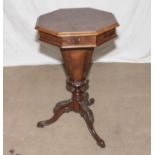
(121, 110)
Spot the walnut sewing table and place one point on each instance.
(77, 32)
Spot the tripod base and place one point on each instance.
(77, 63)
(84, 111)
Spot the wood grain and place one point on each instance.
(77, 32)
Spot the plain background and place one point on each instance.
(20, 38)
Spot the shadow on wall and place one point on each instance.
(54, 51)
(104, 49)
(48, 50)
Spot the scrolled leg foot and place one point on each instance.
(91, 101)
(41, 124)
(101, 143)
(85, 114)
(55, 117)
(87, 101)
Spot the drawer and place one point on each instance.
(79, 41)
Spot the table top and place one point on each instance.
(74, 21)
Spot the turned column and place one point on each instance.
(77, 63)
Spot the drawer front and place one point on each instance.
(79, 41)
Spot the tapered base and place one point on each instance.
(85, 112)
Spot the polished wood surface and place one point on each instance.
(77, 41)
(76, 21)
(77, 62)
(77, 32)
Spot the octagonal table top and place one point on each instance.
(75, 21)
